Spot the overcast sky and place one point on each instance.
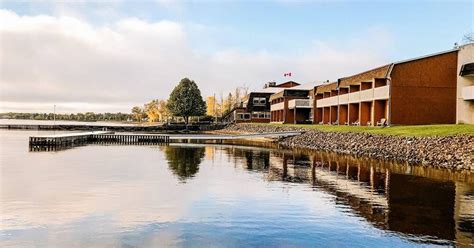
(110, 56)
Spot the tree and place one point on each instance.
(184, 161)
(468, 38)
(186, 100)
(212, 106)
(163, 110)
(228, 103)
(137, 113)
(151, 110)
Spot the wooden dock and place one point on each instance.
(109, 137)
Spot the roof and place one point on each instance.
(379, 72)
(326, 87)
(427, 56)
(306, 86)
(272, 90)
(282, 85)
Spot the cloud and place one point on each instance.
(64, 60)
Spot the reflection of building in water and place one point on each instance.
(408, 204)
(464, 213)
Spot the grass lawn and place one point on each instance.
(422, 130)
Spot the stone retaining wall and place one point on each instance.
(453, 152)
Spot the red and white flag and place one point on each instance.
(288, 74)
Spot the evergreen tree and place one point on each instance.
(186, 100)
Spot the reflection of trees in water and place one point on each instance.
(252, 159)
(184, 161)
(257, 160)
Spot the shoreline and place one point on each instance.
(449, 152)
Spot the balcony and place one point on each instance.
(344, 99)
(381, 92)
(330, 101)
(366, 95)
(300, 103)
(354, 97)
(468, 93)
(277, 106)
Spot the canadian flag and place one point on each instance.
(288, 74)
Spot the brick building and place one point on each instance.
(412, 92)
(292, 105)
(256, 107)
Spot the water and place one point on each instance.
(63, 122)
(203, 195)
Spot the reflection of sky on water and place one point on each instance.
(96, 196)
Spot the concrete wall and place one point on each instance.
(423, 91)
(464, 109)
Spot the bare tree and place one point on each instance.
(468, 38)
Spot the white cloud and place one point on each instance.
(65, 60)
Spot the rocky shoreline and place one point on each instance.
(451, 152)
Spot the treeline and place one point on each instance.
(216, 107)
(87, 116)
(219, 106)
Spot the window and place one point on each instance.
(261, 115)
(259, 101)
(243, 116)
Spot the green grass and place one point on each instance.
(419, 130)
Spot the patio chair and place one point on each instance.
(382, 122)
(356, 123)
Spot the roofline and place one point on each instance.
(427, 56)
(261, 92)
(339, 79)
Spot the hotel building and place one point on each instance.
(465, 85)
(256, 107)
(292, 105)
(418, 91)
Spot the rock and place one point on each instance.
(454, 152)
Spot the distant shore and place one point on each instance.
(450, 152)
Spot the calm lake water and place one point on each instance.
(204, 195)
(61, 122)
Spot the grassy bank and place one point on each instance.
(420, 130)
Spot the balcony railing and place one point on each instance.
(325, 102)
(277, 106)
(359, 96)
(382, 92)
(300, 103)
(468, 93)
(344, 99)
(366, 95)
(354, 97)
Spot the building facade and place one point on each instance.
(293, 105)
(412, 92)
(256, 107)
(465, 85)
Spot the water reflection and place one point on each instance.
(412, 205)
(184, 161)
(133, 196)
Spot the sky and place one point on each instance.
(108, 56)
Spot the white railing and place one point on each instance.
(277, 106)
(361, 96)
(330, 101)
(468, 92)
(367, 95)
(381, 92)
(300, 103)
(354, 97)
(343, 99)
